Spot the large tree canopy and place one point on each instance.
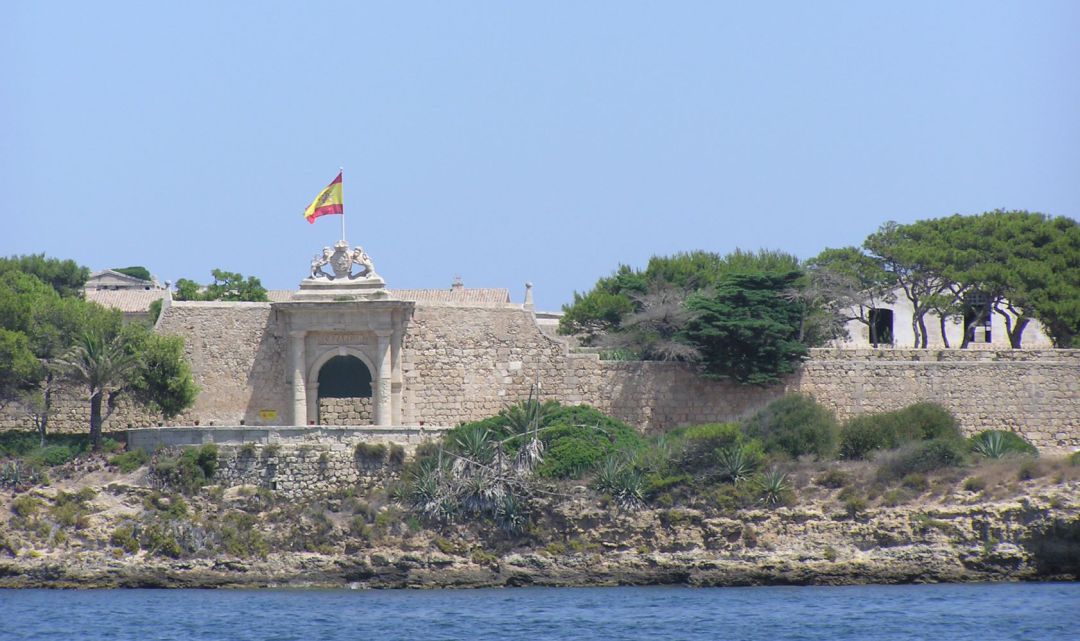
(50, 335)
(1026, 265)
(685, 307)
(747, 329)
(65, 276)
(225, 286)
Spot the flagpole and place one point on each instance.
(342, 171)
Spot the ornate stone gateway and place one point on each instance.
(347, 312)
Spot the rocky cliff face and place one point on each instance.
(1033, 534)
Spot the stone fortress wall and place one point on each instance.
(465, 362)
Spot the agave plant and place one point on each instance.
(622, 480)
(991, 445)
(736, 463)
(773, 486)
(476, 445)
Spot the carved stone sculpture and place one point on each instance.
(341, 260)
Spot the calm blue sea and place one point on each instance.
(1044, 612)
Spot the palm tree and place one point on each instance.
(102, 367)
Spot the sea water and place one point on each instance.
(1047, 612)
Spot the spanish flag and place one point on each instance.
(328, 201)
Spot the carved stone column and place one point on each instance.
(383, 404)
(297, 366)
(396, 382)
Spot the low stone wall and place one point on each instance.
(299, 471)
(152, 438)
(345, 411)
(1035, 393)
(463, 363)
(296, 462)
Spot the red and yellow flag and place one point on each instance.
(328, 201)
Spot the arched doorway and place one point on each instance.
(344, 392)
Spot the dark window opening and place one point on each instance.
(881, 326)
(344, 377)
(977, 317)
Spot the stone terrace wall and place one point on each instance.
(463, 364)
(345, 411)
(1033, 392)
(303, 471)
(238, 359)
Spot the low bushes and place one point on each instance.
(795, 425)
(187, 471)
(865, 434)
(921, 457)
(130, 461)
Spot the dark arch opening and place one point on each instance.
(344, 377)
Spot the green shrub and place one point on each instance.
(1074, 458)
(834, 479)
(888, 430)
(855, 506)
(995, 444)
(187, 471)
(577, 438)
(25, 505)
(370, 451)
(698, 444)
(862, 435)
(130, 461)
(158, 539)
(52, 455)
(241, 537)
(124, 537)
(174, 507)
(921, 457)
(396, 455)
(975, 484)
(795, 425)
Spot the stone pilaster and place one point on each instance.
(383, 379)
(297, 366)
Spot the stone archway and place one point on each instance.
(344, 395)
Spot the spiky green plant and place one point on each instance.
(735, 463)
(622, 480)
(990, 444)
(773, 487)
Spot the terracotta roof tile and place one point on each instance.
(126, 300)
(484, 295)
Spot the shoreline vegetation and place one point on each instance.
(544, 494)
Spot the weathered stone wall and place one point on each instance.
(1033, 392)
(237, 355)
(465, 363)
(462, 363)
(306, 470)
(345, 411)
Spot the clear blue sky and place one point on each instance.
(506, 141)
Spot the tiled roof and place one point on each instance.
(454, 295)
(138, 300)
(279, 295)
(126, 300)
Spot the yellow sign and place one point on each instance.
(267, 415)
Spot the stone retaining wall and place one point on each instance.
(1033, 392)
(305, 470)
(345, 411)
(462, 363)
